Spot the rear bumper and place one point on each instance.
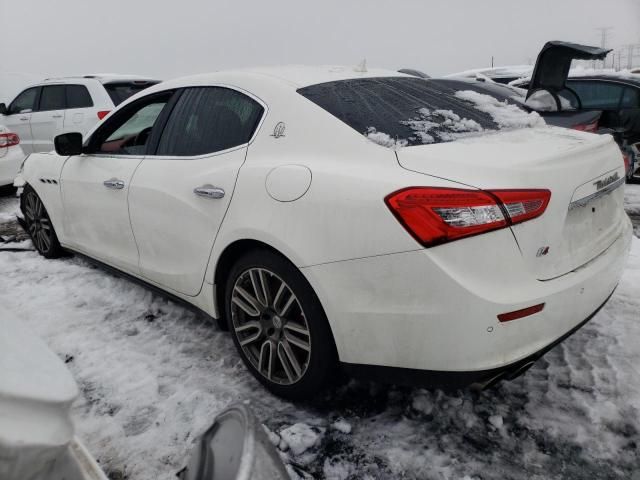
(479, 378)
(436, 310)
(9, 166)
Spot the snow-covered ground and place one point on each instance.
(153, 374)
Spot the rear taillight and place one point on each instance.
(103, 113)
(587, 127)
(627, 161)
(9, 140)
(434, 215)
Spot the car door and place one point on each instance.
(179, 196)
(95, 185)
(48, 118)
(18, 118)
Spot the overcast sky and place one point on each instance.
(164, 39)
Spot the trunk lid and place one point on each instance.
(584, 173)
(554, 61)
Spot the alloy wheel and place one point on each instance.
(270, 326)
(38, 222)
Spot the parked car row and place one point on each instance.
(604, 102)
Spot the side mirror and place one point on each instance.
(68, 144)
(3, 109)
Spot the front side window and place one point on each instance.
(208, 120)
(53, 98)
(78, 97)
(129, 130)
(25, 101)
(595, 94)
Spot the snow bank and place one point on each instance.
(299, 437)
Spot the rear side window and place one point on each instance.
(119, 92)
(407, 111)
(78, 97)
(53, 97)
(595, 94)
(208, 120)
(25, 101)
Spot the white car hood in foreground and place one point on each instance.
(36, 392)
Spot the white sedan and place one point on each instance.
(337, 217)
(11, 156)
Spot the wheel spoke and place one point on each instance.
(253, 324)
(293, 340)
(45, 239)
(296, 327)
(289, 361)
(246, 301)
(251, 338)
(44, 223)
(266, 354)
(38, 207)
(285, 309)
(260, 286)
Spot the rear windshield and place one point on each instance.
(119, 92)
(402, 111)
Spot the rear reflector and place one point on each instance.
(103, 113)
(434, 216)
(9, 140)
(525, 312)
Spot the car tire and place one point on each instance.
(279, 326)
(39, 225)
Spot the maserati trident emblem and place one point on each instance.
(600, 184)
(278, 130)
(542, 251)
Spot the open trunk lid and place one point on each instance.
(554, 61)
(584, 173)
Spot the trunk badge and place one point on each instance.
(542, 251)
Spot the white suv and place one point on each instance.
(71, 104)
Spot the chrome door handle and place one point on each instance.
(114, 183)
(209, 191)
(56, 116)
(24, 119)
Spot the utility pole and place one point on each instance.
(604, 35)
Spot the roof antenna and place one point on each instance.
(361, 67)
